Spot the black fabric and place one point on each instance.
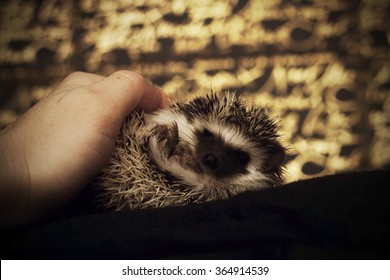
(343, 216)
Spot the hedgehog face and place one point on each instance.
(216, 142)
(218, 158)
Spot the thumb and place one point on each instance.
(124, 90)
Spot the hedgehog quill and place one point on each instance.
(211, 147)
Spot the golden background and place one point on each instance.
(322, 65)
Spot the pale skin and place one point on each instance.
(51, 152)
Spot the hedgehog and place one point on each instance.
(207, 148)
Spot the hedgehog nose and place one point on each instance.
(210, 160)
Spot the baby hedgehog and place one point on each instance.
(208, 148)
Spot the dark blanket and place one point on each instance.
(345, 216)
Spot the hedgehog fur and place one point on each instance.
(210, 147)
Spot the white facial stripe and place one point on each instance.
(167, 117)
(162, 117)
(230, 135)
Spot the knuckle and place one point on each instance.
(72, 78)
(74, 75)
(133, 77)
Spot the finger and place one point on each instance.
(145, 103)
(79, 79)
(126, 90)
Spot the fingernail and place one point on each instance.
(166, 99)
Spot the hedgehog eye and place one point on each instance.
(243, 157)
(206, 133)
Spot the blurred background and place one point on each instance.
(322, 65)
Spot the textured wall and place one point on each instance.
(323, 65)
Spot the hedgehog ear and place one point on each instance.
(275, 157)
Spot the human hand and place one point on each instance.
(51, 152)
